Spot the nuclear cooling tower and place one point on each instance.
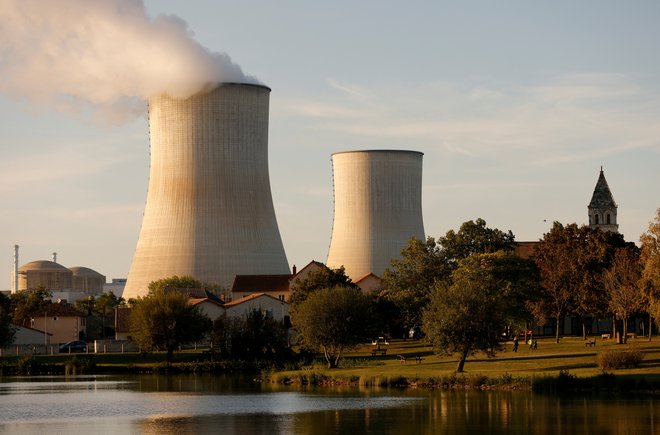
(378, 208)
(209, 210)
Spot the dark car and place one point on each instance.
(73, 346)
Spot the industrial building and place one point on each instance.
(209, 211)
(377, 209)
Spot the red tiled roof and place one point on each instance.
(58, 309)
(260, 283)
(249, 298)
(366, 276)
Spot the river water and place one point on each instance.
(232, 405)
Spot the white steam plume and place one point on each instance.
(106, 57)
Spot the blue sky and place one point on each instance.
(515, 105)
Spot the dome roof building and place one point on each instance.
(87, 280)
(44, 273)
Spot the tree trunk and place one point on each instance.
(584, 328)
(625, 330)
(461, 361)
(650, 327)
(557, 331)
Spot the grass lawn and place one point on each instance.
(550, 358)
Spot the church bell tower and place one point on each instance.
(602, 208)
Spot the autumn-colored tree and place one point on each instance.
(571, 260)
(650, 259)
(622, 281)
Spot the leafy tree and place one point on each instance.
(622, 284)
(323, 278)
(650, 259)
(474, 238)
(254, 337)
(514, 281)
(593, 256)
(85, 305)
(7, 329)
(334, 319)
(165, 320)
(105, 304)
(469, 315)
(25, 303)
(571, 260)
(409, 280)
(175, 282)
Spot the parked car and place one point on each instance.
(73, 346)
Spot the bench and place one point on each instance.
(378, 351)
(590, 342)
(606, 336)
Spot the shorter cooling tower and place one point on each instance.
(378, 208)
(209, 211)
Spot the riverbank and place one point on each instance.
(568, 365)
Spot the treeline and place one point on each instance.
(467, 288)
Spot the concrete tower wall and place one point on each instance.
(209, 210)
(378, 208)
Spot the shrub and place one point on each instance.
(619, 359)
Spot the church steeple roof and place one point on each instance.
(602, 197)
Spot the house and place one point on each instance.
(312, 266)
(369, 283)
(26, 335)
(270, 306)
(273, 285)
(61, 321)
(122, 325)
(209, 307)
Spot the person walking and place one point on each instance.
(515, 343)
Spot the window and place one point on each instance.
(596, 219)
(608, 219)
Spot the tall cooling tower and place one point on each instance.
(378, 208)
(209, 210)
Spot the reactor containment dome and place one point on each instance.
(378, 208)
(209, 211)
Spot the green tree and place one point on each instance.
(469, 315)
(622, 281)
(334, 319)
(7, 329)
(513, 280)
(165, 320)
(474, 237)
(323, 278)
(105, 304)
(27, 302)
(175, 282)
(650, 259)
(409, 280)
(253, 337)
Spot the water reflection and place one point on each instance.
(225, 404)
